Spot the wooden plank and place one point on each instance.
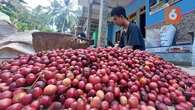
(50, 41)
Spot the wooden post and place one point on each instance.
(89, 19)
(102, 31)
(138, 18)
(193, 48)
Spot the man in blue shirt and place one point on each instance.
(131, 36)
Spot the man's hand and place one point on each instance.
(128, 46)
(116, 45)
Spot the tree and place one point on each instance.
(60, 15)
(64, 17)
(24, 19)
(12, 8)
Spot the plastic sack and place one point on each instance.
(167, 34)
(152, 38)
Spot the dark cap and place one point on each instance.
(118, 11)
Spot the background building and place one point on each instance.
(149, 15)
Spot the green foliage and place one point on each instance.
(59, 15)
(63, 16)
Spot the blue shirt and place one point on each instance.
(132, 37)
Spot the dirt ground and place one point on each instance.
(190, 70)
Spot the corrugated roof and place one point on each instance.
(6, 29)
(4, 17)
(18, 43)
(22, 48)
(19, 37)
